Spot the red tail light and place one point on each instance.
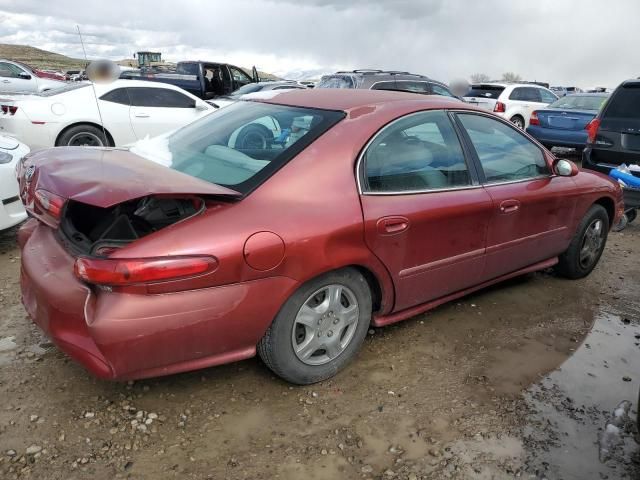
(131, 271)
(10, 109)
(500, 107)
(48, 204)
(592, 129)
(534, 120)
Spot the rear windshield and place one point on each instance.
(241, 145)
(625, 103)
(580, 102)
(338, 81)
(486, 91)
(188, 69)
(66, 88)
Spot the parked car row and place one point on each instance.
(18, 77)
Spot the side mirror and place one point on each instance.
(24, 76)
(565, 168)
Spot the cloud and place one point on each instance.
(569, 42)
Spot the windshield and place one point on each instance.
(338, 81)
(579, 102)
(241, 145)
(486, 91)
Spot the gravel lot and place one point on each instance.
(470, 390)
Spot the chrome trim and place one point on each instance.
(508, 182)
(407, 192)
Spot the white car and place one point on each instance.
(11, 212)
(513, 101)
(17, 77)
(129, 110)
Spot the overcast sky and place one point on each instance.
(579, 42)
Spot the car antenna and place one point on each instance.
(103, 71)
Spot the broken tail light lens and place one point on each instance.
(132, 271)
(48, 203)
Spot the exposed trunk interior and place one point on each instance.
(99, 231)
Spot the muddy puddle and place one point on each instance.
(571, 406)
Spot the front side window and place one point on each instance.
(159, 97)
(416, 153)
(504, 153)
(239, 76)
(241, 145)
(546, 96)
(440, 90)
(9, 70)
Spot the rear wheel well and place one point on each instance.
(374, 286)
(65, 129)
(609, 206)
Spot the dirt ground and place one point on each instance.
(515, 381)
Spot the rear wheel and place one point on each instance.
(319, 329)
(631, 215)
(83, 136)
(587, 245)
(518, 121)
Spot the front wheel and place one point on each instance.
(319, 329)
(587, 245)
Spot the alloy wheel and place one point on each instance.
(85, 139)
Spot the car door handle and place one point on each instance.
(510, 206)
(392, 225)
(142, 115)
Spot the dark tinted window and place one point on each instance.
(419, 152)
(625, 103)
(387, 85)
(188, 69)
(414, 87)
(159, 97)
(119, 95)
(525, 94)
(486, 91)
(505, 153)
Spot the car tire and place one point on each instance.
(631, 215)
(518, 121)
(254, 136)
(83, 135)
(293, 345)
(587, 245)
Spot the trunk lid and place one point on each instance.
(104, 177)
(565, 119)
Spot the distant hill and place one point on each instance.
(38, 58)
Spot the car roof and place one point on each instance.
(634, 82)
(349, 99)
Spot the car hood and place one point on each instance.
(104, 177)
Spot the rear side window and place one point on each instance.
(485, 91)
(625, 103)
(414, 87)
(419, 152)
(504, 153)
(119, 95)
(525, 94)
(159, 97)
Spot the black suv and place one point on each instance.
(614, 134)
(385, 80)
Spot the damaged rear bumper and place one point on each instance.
(128, 336)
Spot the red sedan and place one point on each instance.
(288, 225)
